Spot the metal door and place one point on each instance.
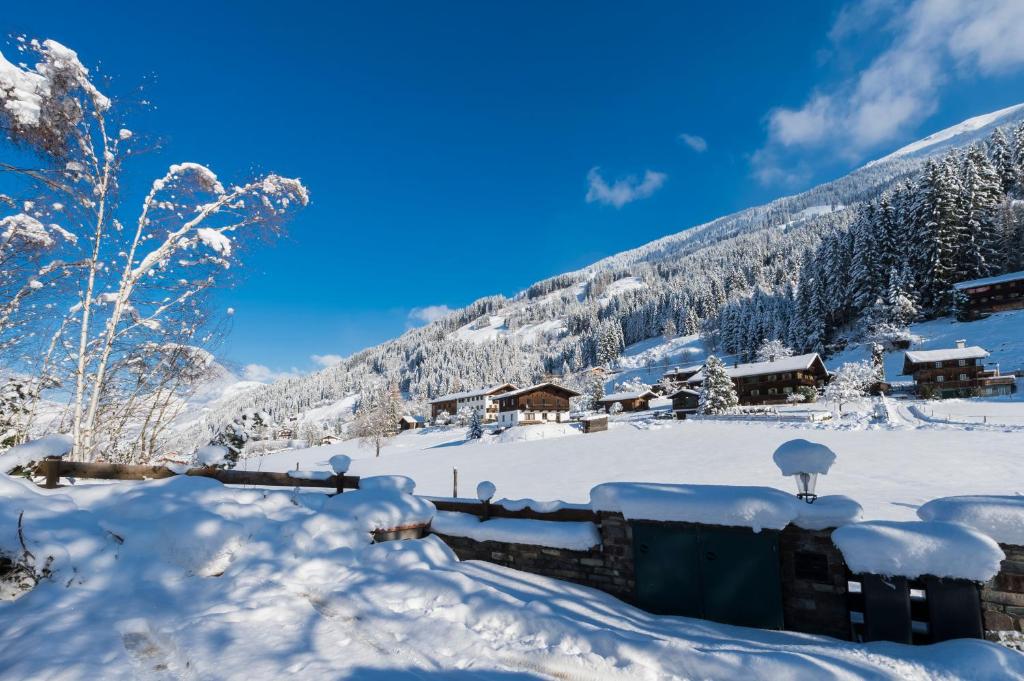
(740, 575)
(667, 569)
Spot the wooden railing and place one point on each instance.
(55, 469)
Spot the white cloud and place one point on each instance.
(624, 190)
(264, 374)
(326, 360)
(930, 41)
(430, 313)
(695, 142)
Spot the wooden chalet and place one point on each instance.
(329, 439)
(773, 382)
(411, 422)
(630, 401)
(481, 400)
(955, 372)
(541, 403)
(981, 297)
(684, 401)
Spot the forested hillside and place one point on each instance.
(864, 254)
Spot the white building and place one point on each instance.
(482, 401)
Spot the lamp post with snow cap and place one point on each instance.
(804, 460)
(485, 492)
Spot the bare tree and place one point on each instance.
(377, 415)
(138, 279)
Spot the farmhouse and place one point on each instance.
(541, 403)
(639, 400)
(480, 401)
(329, 439)
(772, 382)
(684, 401)
(411, 422)
(955, 372)
(992, 294)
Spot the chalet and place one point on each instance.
(411, 422)
(329, 439)
(955, 372)
(481, 400)
(774, 381)
(541, 403)
(284, 434)
(684, 401)
(639, 400)
(980, 297)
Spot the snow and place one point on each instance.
(310, 475)
(794, 363)
(967, 126)
(215, 240)
(999, 517)
(340, 463)
(397, 483)
(466, 394)
(22, 92)
(496, 327)
(380, 508)
(738, 506)
(989, 281)
(833, 510)
(890, 470)
(633, 395)
(485, 490)
(946, 354)
(915, 548)
(620, 286)
(803, 456)
(35, 450)
(575, 536)
(211, 455)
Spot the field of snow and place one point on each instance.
(890, 470)
(187, 579)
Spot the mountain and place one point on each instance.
(737, 279)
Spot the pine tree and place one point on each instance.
(15, 396)
(1002, 160)
(978, 247)
(717, 393)
(476, 426)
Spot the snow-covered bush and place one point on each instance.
(717, 393)
(616, 408)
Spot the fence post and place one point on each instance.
(487, 510)
(51, 468)
(455, 483)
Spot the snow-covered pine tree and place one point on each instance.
(1002, 160)
(476, 426)
(377, 415)
(717, 393)
(981, 191)
(15, 397)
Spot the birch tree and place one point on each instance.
(140, 276)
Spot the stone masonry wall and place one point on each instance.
(814, 583)
(1002, 598)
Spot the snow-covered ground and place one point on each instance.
(889, 469)
(187, 579)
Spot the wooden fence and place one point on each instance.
(55, 469)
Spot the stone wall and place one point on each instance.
(1002, 598)
(814, 583)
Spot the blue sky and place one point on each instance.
(455, 150)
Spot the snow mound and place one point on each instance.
(754, 507)
(310, 475)
(380, 508)
(388, 483)
(485, 490)
(575, 536)
(916, 548)
(999, 517)
(536, 432)
(802, 456)
(35, 450)
(549, 506)
(834, 510)
(211, 455)
(340, 463)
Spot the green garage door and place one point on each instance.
(729, 575)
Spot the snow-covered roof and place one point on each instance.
(634, 395)
(684, 370)
(945, 354)
(467, 394)
(989, 281)
(684, 391)
(916, 548)
(539, 386)
(794, 363)
(412, 419)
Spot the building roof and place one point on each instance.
(412, 419)
(795, 363)
(539, 386)
(988, 281)
(684, 391)
(635, 395)
(467, 394)
(684, 370)
(943, 355)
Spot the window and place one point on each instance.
(755, 392)
(963, 377)
(940, 379)
(938, 365)
(773, 391)
(962, 362)
(787, 390)
(786, 377)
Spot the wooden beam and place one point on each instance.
(115, 471)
